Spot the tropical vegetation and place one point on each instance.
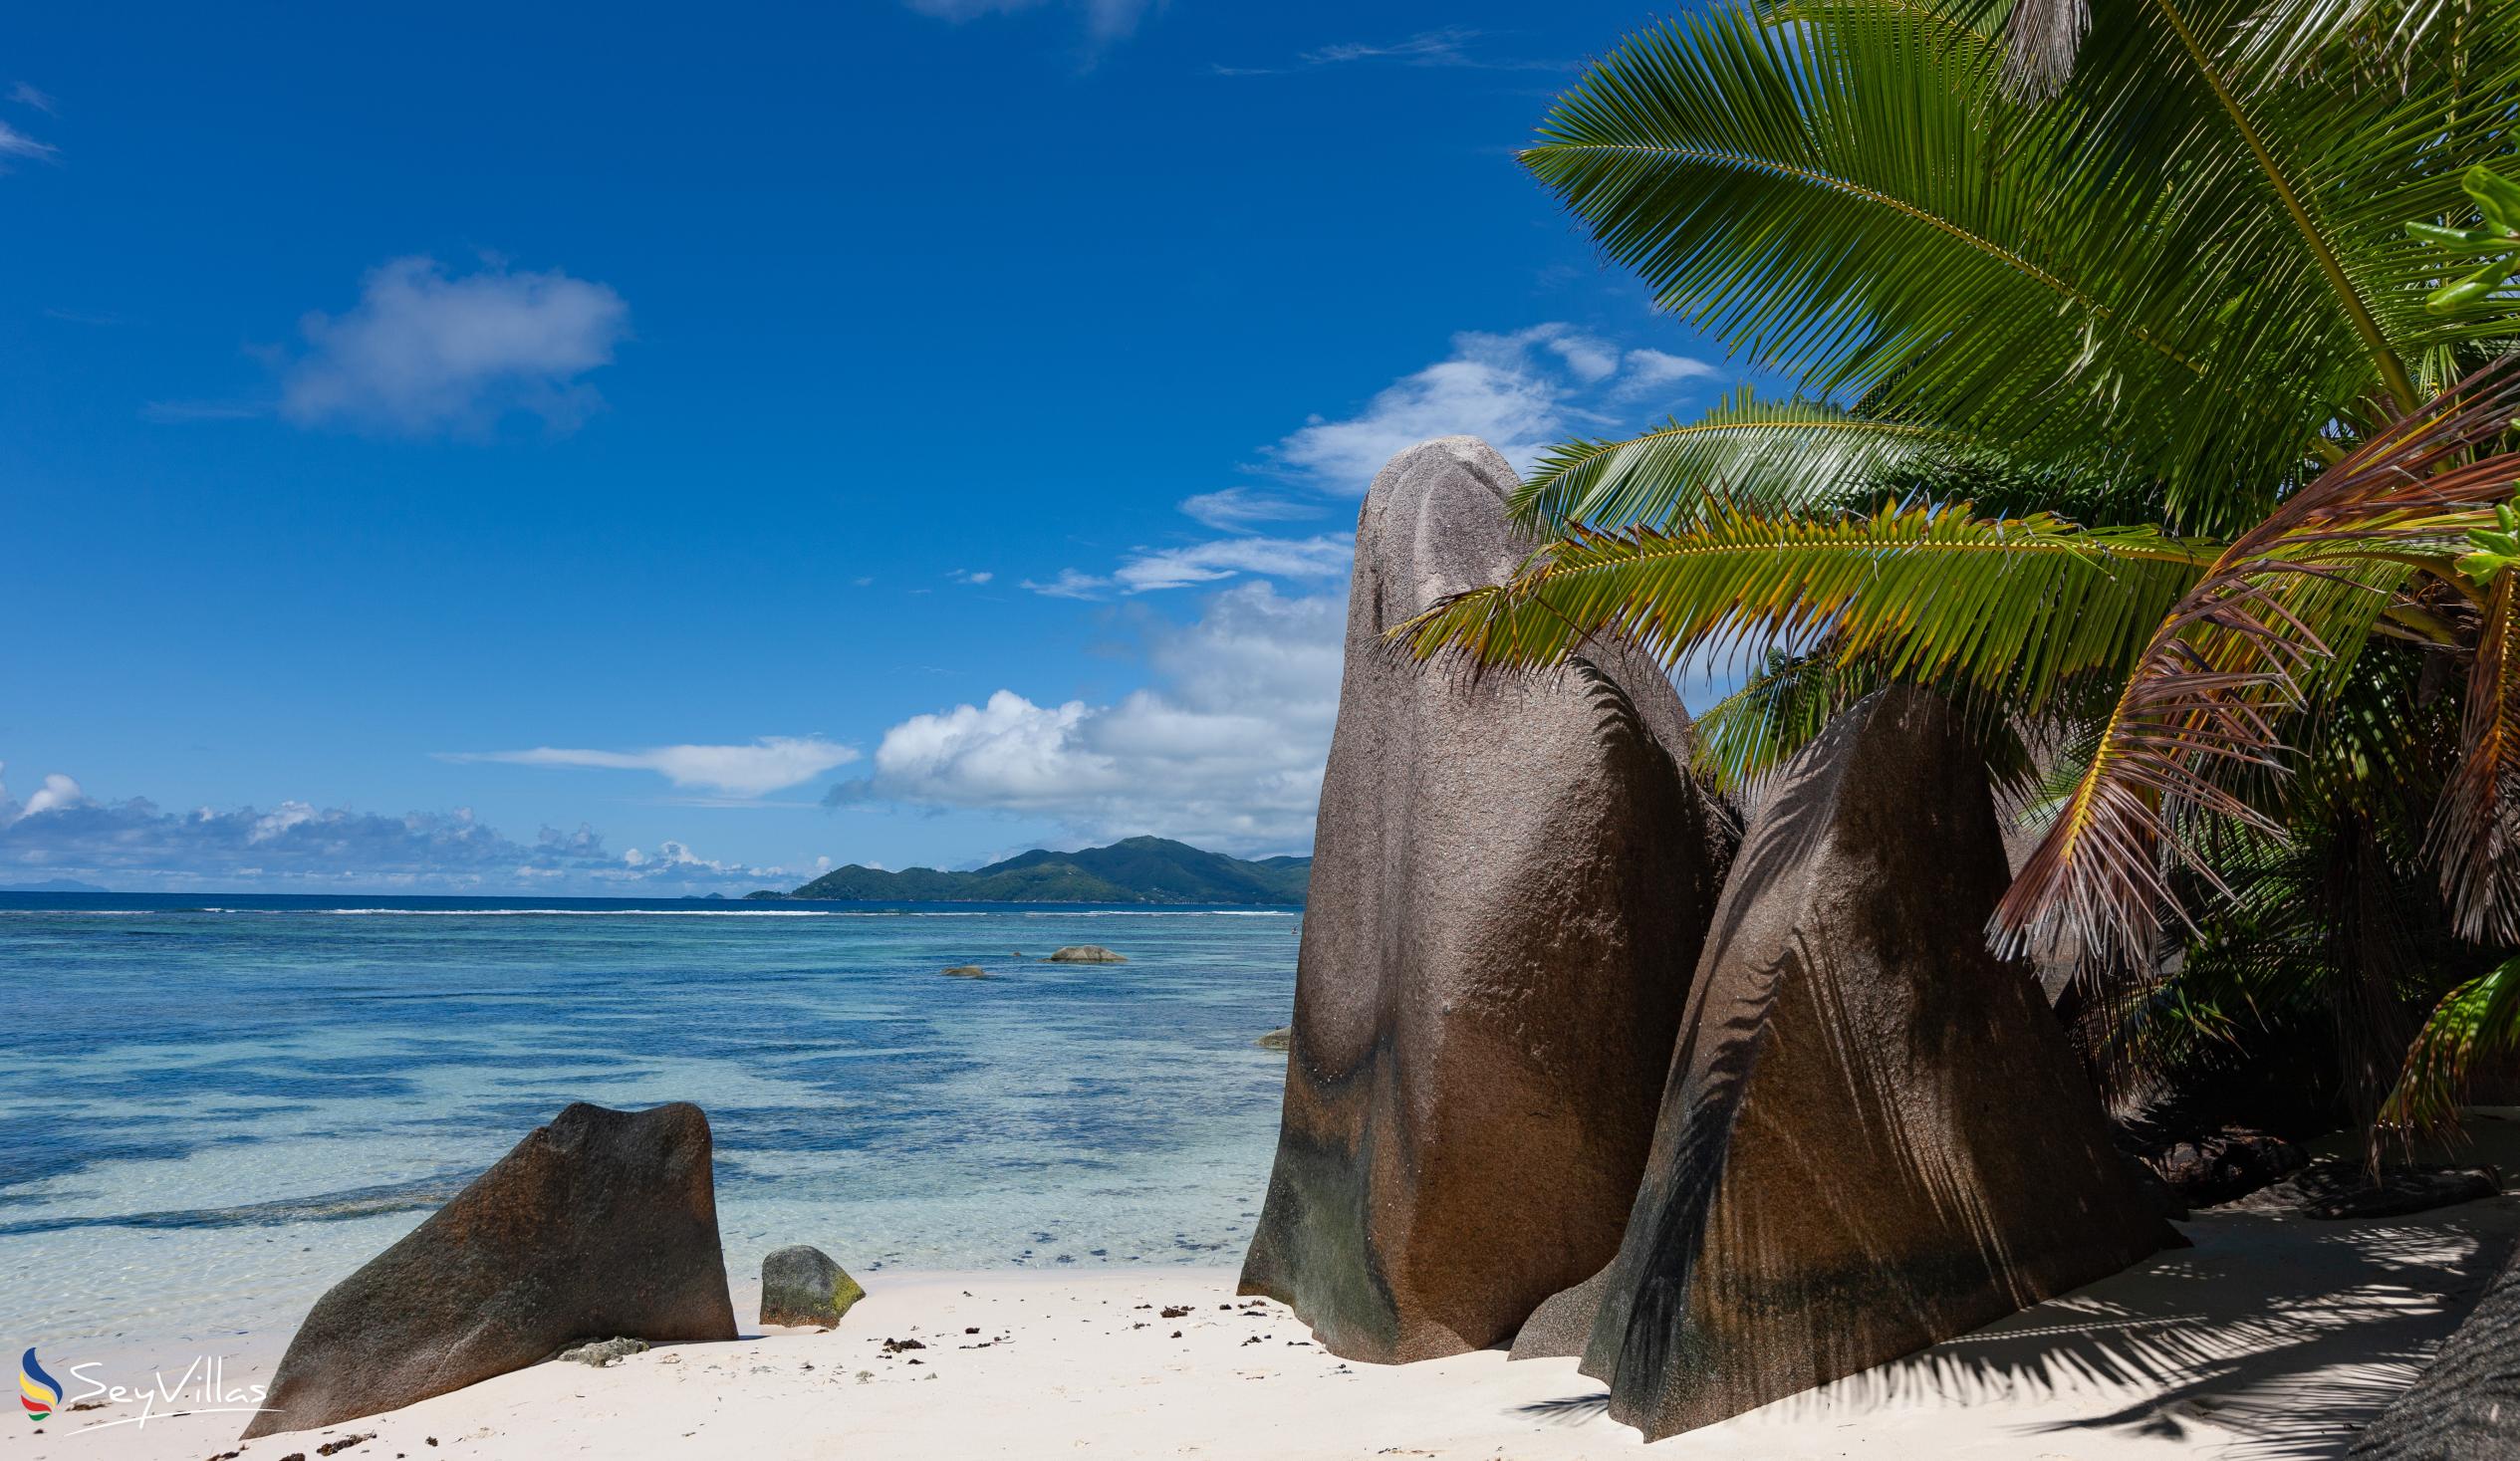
(2146, 386)
(1137, 869)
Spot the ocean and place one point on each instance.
(220, 1105)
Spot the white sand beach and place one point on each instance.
(2270, 1336)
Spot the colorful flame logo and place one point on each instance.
(37, 1392)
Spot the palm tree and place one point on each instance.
(2130, 408)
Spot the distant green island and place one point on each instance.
(1141, 870)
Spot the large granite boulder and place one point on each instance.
(2465, 1405)
(601, 1224)
(1875, 1136)
(1511, 879)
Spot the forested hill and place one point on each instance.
(1141, 869)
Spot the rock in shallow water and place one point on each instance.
(1281, 1038)
(1087, 953)
(802, 1285)
(1875, 1136)
(603, 1222)
(1511, 879)
(967, 971)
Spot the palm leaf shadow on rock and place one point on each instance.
(1873, 1137)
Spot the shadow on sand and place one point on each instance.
(2276, 1337)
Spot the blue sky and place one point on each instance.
(639, 450)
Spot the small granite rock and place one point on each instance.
(1087, 953)
(604, 1351)
(2234, 1162)
(968, 971)
(801, 1285)
(1278, 1038)
(1563, 1324)
(2341, 1187)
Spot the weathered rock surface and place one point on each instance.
(2230, 1164)
(1087, 953)
(604, 1353)
(603, 1222)
(2336, 1187)
(2465, 1405)
(1874, 1136)
(1511, 880)
(967, 971)
(1282, 1038)
(1562, 1325)
(802, 1285)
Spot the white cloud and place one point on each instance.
(15, 143)
(1071, 584)
(770, 764)
(1234, 508)
(1223, 749)
(1652, 370)
(1322, 557)
(1452, 47)
(1520, 392)
(56, 792)
(969, 576)
(1150, 569)
(27, 95)
(1104, 20)
(1591, 359)
(298, 846)
(424, 351)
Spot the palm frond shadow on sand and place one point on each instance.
(2281, 1336)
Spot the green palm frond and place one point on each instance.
(1929, 592)
(1777, 456)
(2473, 1024)
(2190, 257)
(1845, 198)
(1751, 732)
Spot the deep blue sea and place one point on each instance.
(219, 1104)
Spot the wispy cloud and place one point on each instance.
(1232, 508)
(27, 95)
(60, 831)
(1223, 749)
(15, 143)
(1451, 47)
(1650, 371)
(971, 575)
(1150, 569)
(770, 764)
(426, 351)
(181, 412)
(1104, 21)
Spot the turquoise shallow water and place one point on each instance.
(219, 1106)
